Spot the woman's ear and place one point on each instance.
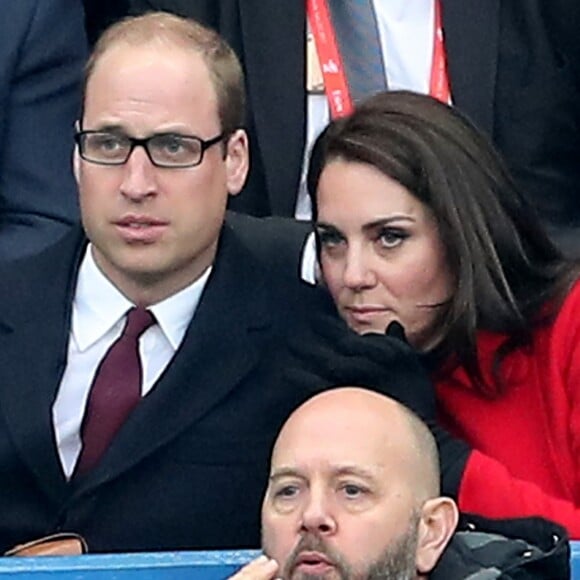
(439, 517)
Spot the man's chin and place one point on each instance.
(330, 574)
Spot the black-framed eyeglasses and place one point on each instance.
(169, 150)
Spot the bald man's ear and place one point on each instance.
(438, 521)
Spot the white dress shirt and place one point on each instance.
(406, 30)
(98, 317)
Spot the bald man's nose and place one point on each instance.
(317, 516)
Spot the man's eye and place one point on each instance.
(286, 492)
(352, 491)
(107, 142)
(170, 144)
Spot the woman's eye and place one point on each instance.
(329, 239)
(390, 238)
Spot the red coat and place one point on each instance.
(527, 441)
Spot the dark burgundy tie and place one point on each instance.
(115, 391)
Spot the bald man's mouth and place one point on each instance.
(312, 557)
(313, 563)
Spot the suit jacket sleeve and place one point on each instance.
(42, 52)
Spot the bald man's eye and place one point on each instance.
(286, 492)
(353, 491)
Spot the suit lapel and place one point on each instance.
(274, 50)
(33, 346)
(222, 345)
(471, 40)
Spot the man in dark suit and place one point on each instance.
(42, 52)
(512, 67)
(230, 350)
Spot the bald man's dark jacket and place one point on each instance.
(188, 468)
(505, 549)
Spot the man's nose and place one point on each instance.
(139, 180)
(318, 517)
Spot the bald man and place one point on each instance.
(353, 493)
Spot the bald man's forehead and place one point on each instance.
(352, 407)
(329, 447)
(341, 415)
(349, 427)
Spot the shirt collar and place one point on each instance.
(98, 306)
(175, 312)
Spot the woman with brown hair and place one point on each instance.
(418, 221)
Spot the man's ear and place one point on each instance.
(237, 161)
(76, 163)
(438, 521)
(76, 160)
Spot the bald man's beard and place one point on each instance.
(397, 562)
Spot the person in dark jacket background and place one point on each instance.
(43, 49)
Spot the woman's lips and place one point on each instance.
(365, 313)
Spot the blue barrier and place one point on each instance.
(147, 566)
(575, 559)
(216, 565)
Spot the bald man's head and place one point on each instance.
(365, 417)
(353, 478)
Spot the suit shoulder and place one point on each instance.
(276, 242)
(33, 273)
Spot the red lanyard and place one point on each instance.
(439, 82)
(335, 83)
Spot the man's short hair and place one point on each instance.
(164, 29)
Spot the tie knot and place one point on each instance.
(138, 321)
